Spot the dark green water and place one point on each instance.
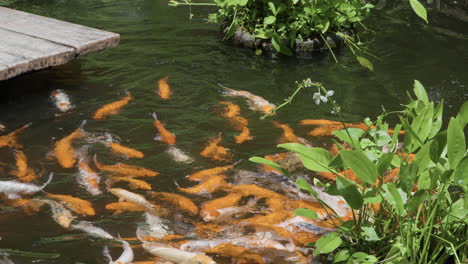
(156, 41)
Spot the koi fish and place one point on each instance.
(77, 205)
(2, 127)
(176, 255)
(122, 150)
(164, 134)
(92, 230)
(240, 254)
(209, 186)
(164, 88)
(239, 123)
(112, 108)
(124, 169)
(216, 152)
(87, 177)
(326, 127)
(243, 136)
(290, 161)
(120, 207)
(23, 172)
(61, 100)
(30, 206)
(154, 229)
(288, 135)
(11, 139)
(255, 102)
(205, 174)
(254, 190)
(125, 195)
(178, 155)
(210, 210)
(60, 214)
(178, 200)
(64, 152)
(15, 187)
(133, 183)
(125, 258)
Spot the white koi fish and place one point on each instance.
(92, 230)
(176, 255)
(125, 258)
(154, 226)
(61, 100)
(16, 187)
(125, 195)
(87, 177)
(60, 214)
(178, 155)
(255, 102)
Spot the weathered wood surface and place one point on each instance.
(31, 42)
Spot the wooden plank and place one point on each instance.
(83, 39)
(20, 53)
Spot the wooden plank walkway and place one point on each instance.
(30, 42)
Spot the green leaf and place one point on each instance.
(384, 162)
(394, 197)
(269, 163)
(327, 243)
(365, 63)
(408, 176)
(416, 200)
(305, 213)
(270, 20)
(437, 122)
(381, 137)
(462, 116)
(272, 7)
(419, 9)
(355, 134)
(456, 144)
(315, 159)
(460, 175)
(342, 255)
(279, 46)
(304, 185)
(457, 211)
(419, 90)
(360, 165)
(350, 193)
(369, 233)
(364, 258)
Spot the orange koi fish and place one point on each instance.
(122, 150)
(120, 207)
(178, 200)
(212, 184)
(126, 170)
(164, 134)
(255, 102)
(243, 136)
(326, 127)
(231, 110)
(240, 254)
(205, 174)
(133, 183)
(61, 100)
(290, 161)
(112, 108)
(11, 139)
(215, 152)
(238, 122)
(288, 135)
(23, 172)
(30, 206)
(209, 210)
(77, 205)
(259, 192)
(64, 152)
(164, 88)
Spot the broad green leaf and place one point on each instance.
(350, 193)
(360, 165)
(272, 7)
(416, 200)
(364, 258)
(325, 27)
(457, 212)
(355, 134)
(279, 46)
(269, 163)
(342, 255)
(304, 185)
(327, 243)
(306, 213)
(381, 137)
(369, 233)
(425, 181)
(315, 159)
(456, 144)
(394, 197)
(437, 122)
(419, 9)
(408, 176)
(384, 162)
(270, 20)
(462, 116)
(420, 92)
(423, 157)
(438, 146)
(460, 175)
(365, 63)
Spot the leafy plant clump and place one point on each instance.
(408, 197)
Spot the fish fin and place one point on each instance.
(227, 91)
(155, 117)
(106, 254)
(51, 175)
(83, 123)
(157, 138)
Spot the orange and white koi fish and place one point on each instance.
(30, 206)
(126, 170)
(15, 187)
(125, 258)
(63, 150)
(209, 186)
(178, 200)
(120, 207)
(60, 214)
(255, 102)
(326, 127)
(133, 183)
(164, 134)
(2, 127)
(210, 210)
(216, 152)
(176, 255)
(61, 100)
(77, 205)
(125, 195)
(164, 89)
(178, 155)
(23, 172)
(205, 174)
(288, 135)
(122, 150)
(87, 177)
(11, 139)
(112, 108)
(240, 254)
(92, 230)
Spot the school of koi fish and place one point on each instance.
(227, 215)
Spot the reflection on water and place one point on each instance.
(159, 41)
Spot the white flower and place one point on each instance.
(316, 97)
(324, 99)
(330, 93)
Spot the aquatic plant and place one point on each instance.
(407, 187)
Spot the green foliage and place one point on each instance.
(419, 216)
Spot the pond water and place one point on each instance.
(158, 41)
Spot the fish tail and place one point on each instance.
(227, 91)
(155, 117)
(21, 129)
(51, 175)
